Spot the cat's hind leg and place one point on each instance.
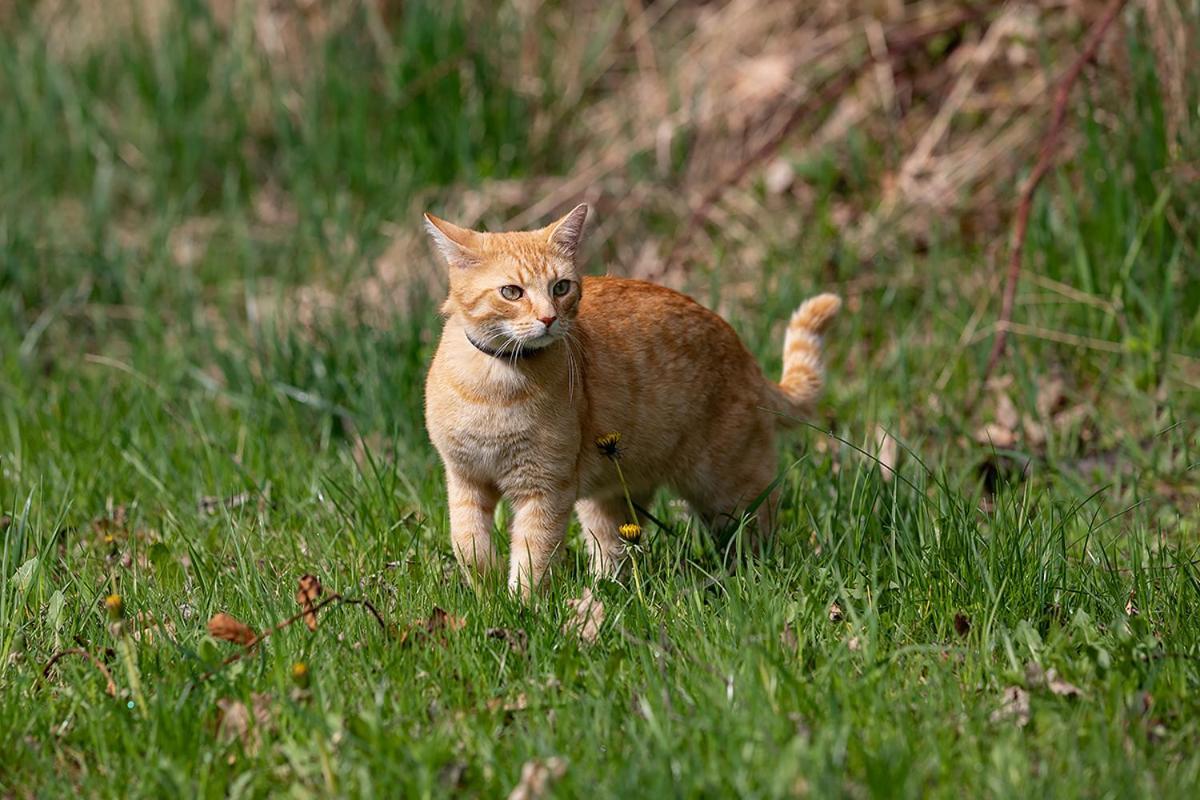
(726, 496)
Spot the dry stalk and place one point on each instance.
(287, 623)
(109, 687)
(900, 43)
(1025, 205)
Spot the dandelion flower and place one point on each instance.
(631, 532)
(608, 445)
(300, 674)
(115, 606)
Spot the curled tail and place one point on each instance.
(803, 371)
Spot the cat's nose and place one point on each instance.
(547, 321)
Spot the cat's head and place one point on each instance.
(515, 291)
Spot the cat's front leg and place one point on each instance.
(472, 514)
(538, 529)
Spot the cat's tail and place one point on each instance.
(803, 370)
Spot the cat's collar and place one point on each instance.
(515, 355)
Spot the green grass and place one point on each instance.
(128, 380)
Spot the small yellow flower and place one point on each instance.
(115, 606)
(300, 674)
(608, 445)
(631, 532)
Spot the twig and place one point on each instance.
(1045, 156)
(287, 623)
(900, 44)
(110, 687)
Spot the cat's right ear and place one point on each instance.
(456, 245)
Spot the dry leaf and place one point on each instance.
(586, 618)
(1035, 676)
(230, 629)
(439, 621)
(887, 451)
(1075, 415)
(516, 639)
(996, 435)
(835, 612)
(1006, 412)
(962, 624)
(1014, 706)
(309, 591)
(518, 703)
(1131, 609)
(536, 777)
(1051, 396)
(235, 721)
(854, 644)
(1058, 686)
(1035, 432)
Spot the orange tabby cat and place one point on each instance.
(536, 362)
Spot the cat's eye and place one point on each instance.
(511, 292)
(562, 287)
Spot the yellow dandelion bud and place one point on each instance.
(608, 445)
(300, 674)
(115, 606)
(630, 532)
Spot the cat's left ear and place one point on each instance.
(567, 233)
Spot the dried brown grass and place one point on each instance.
(956, 122)
(724, 102)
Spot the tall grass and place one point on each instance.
(162, 198)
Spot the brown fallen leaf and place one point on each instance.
(309, 591)
(835, 612)
(517, 639)
(994, 434)
(1006, 413)
(536, 778)
(237, 722)
(1035, 676)
(230, 629)
(1058, 686)
(1051, 395)
(1014, 706)
(962, 624)
(518, 703)
(587, 615)
(438, 623)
